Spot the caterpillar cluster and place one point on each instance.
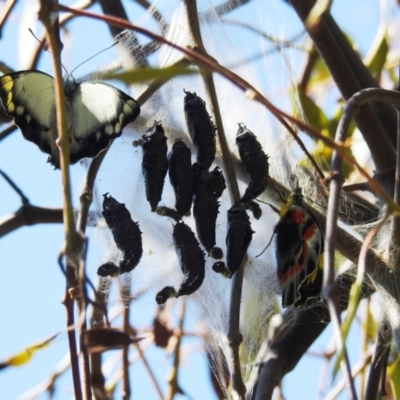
(198, 185)
(195, 184)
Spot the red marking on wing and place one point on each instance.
(299, 216)
(310, 232)
(297, 268)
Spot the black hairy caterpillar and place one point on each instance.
(155, 163)
(208, 188)
(192, 264)
(127, 236)
(181, 176)
(200, 128)
(238, 239)
(255, 163)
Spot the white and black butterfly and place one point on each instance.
(97, 112)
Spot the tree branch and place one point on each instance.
(351, 75)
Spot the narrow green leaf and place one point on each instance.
(141, 75)
(312, 112)
(393, 372)
(26, 354)
(378, 59)
(351, 313)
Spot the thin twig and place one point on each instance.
(29, 215)
(173, 380)
(116, 9)
(355, 292)
(329, 290)
(225, 8)
(279, 44)
(366, 323)
(73, 350)
(234, 335)
(80, 4)
(298, 330)
(379, 360)
(74, 241)
(312, 58)
(6, 9)
(153, 12)
(366, 359)
(394, 238)
(350, 75)
(357, 186)
(125, 290)
(24, 199)
(142, 356)
(8, 131)
(250, 91)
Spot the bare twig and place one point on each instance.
(8, 131)
(142, 356)
(234, 335)
(73, 350)
(24, 199)
(29, 215)
(394, 239)
(225, 8)
(355, 292)
(73, 248)
(83, 4)
(242, 84)
(329, 290)
(125, 290)
(116, 9)
(153, 12)
(312, 58)
(173, 380)
(351, 75)
(379, 360)
(366, 359)
(298, 330)
(6, 9)
(352, 107)
(357, 186)
(337, 178)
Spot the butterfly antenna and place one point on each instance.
(273, 207)
(45, 46)
(266, 247)
(95, 55)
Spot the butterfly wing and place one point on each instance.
(100, 112)
(299, 250)
(97, 112)
(28, 96)
(313, 245)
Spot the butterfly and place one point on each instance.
(97, 112)
(299, 252)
